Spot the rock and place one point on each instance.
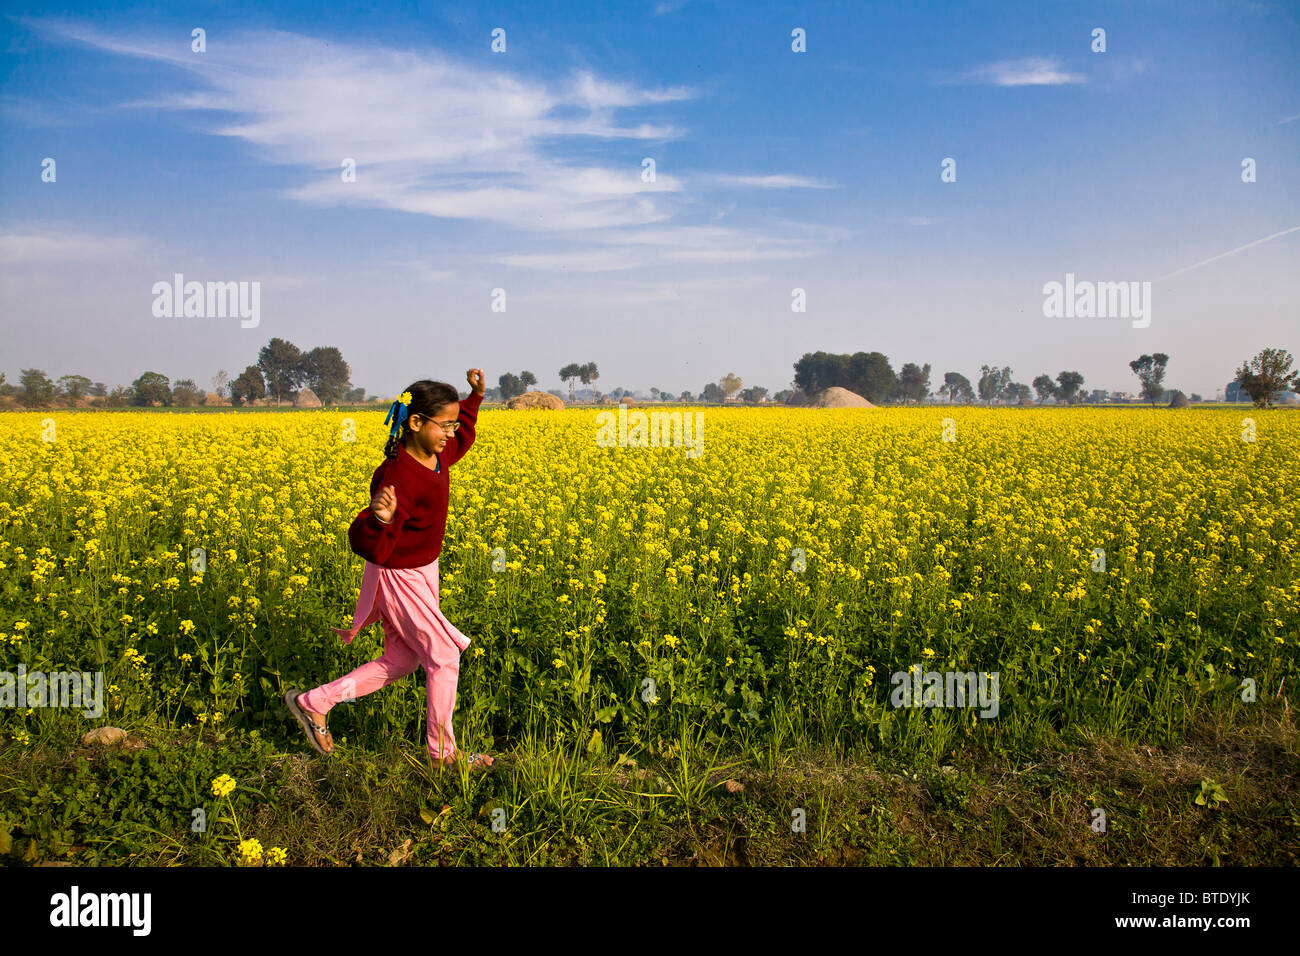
(398, 856)
(536, 400)
(306, 399)
(836, 397)
(111, 737)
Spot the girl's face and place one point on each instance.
(428, 434)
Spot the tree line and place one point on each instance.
(281, 372)
(871, 375)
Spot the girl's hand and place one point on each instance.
(384, 504)
(475, 378)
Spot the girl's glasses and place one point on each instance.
(448, 427)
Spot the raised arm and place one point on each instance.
(459, 443)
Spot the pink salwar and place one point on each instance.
(416, 634)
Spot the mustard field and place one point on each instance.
(1117, 569)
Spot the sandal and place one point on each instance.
(309, 726)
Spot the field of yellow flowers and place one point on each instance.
(770, 586)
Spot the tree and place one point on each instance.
(119, 397)
(1150, 370)
(1019, 393)
(588, 373)
(1268, 372)
(1045, 388)
(957, 386)
(712, 393)
(686, 397)
(325, 373)
(654, 393)
(868, 374)
(1068, 385)
(99, 389)
(38, 390)
(510, 385)
(151, 387)
(914, 382)
(730, 384)
(74, 386)
(248, 386)
(570, 372)
(185, 393)
(281, 364)
(871, 376)
(528, 379)
(753, 395)
(220, 382)
(1099, 396)
(993, 382)
(355, 396)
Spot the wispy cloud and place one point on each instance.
(774, 181)
(910, 220)
(1031, 71)
(434, 136)
(428, 135)
(21, 246)
(1289, 119)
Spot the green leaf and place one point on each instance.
(427, 816)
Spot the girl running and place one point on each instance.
(400, 536)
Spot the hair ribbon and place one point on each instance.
(398, 412)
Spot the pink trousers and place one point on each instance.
(416, 634)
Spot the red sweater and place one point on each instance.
(414, 536)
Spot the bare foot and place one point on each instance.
(476, 761)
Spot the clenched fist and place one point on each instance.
(475, 378)
(384, 504)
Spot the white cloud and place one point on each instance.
(774, 181)
(434, 136)
(1031, 71)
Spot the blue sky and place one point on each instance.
(775, 170)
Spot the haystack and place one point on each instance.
(1179, 400)
(212, 398)
(544, 401)
(306, 399)
(836, 397)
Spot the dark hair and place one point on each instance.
(427, 399)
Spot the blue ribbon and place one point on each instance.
(398, 413)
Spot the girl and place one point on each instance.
(400, 536)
